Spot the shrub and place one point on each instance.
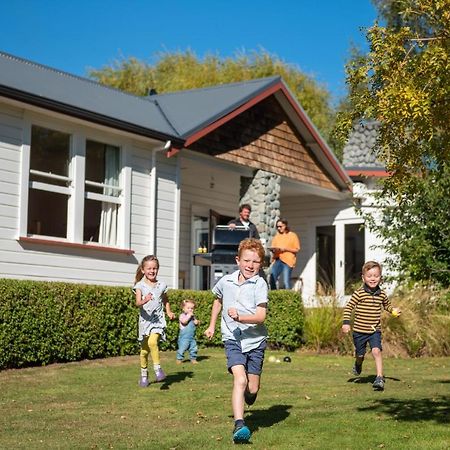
(423, 329)
(323, 324)
(42, 323)
(47, 322)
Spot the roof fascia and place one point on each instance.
(231, 115)
(80, 113)
(316, 138)
(368, 173)
(279, 87)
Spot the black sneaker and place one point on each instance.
(249, 398)
(378, 384)
(357, 368)
(241, 434)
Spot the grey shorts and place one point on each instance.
(361, 340)
(252, 360)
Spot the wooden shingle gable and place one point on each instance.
(263, 137)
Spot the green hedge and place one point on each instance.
(46, 322)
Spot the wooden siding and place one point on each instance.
(264, 138)
(198, 194)
(36, 261)
(305, 213)
(166, 217)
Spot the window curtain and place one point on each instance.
(109, 213)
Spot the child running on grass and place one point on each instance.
(186, 336)
(368, 303)
(242, 297)
(151, 298)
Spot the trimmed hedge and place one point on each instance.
(48, 322)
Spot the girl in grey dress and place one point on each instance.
(151, 298)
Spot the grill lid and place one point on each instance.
(227, 238)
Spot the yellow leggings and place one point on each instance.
(150, 345)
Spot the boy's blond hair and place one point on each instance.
(370, 265)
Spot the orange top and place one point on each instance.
(286, 240)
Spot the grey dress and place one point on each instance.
(151, 315)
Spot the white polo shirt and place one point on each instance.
(245, 298)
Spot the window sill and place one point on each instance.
(34, 240)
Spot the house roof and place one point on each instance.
(224, 102)
(183, 117)
(34, 83)
(192, 110)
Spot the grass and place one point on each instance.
(312, 403)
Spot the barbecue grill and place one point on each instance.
(224, 247)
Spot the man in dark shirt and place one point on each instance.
(244, 220)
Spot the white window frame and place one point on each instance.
(76, 191)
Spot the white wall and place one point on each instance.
(37, 261)
(206, 183)
(305, 214)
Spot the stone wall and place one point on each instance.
(262, 192)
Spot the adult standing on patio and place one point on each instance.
(244, 221)
(285, 246)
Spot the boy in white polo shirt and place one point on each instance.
(242, 297)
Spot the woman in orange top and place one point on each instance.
(285, 246)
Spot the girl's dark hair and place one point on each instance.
(139, 273)
(284, 222)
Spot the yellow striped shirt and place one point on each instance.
(368, 307)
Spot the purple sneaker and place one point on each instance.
(143, 382)
(160, 375)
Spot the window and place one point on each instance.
(76, 189)
(102, 193)
(49, 182)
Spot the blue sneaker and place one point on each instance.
(241, 435)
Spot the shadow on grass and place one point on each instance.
(175, 378)
(369, 379)
(436, 409)
(265, 418)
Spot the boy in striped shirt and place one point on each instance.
(368, 303)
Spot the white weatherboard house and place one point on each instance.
(93, 179)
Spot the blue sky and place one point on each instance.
(76, 35)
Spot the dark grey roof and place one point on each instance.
(45, 84)
(189, 111)
(359, 152)
(177, 116)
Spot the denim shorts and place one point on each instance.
(361, 340)
(252, 360)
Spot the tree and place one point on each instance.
(416, 230)
(404, 83)
(184, 70)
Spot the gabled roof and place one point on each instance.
(197, 112)
(40, 85)
(192, 110)
(182, 117)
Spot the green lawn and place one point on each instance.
(312, 403)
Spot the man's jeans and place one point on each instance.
(280, 268)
